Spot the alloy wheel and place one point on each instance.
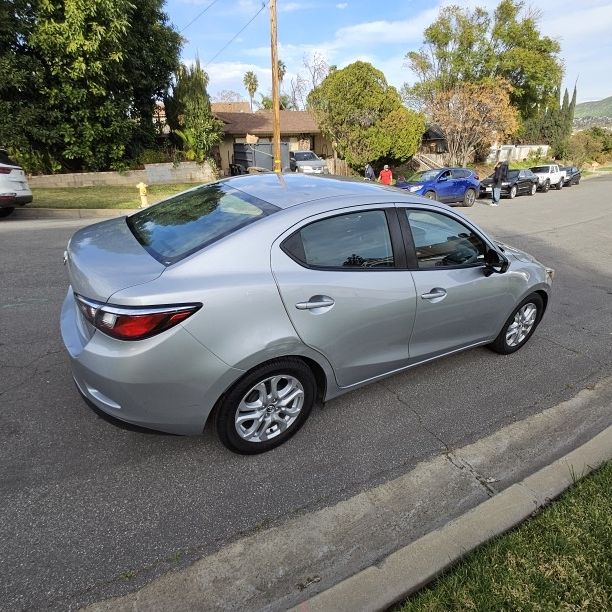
(269, 408)
(522, 324)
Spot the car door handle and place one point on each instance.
(435, 294)
(318, 301)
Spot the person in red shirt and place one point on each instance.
(386, 176)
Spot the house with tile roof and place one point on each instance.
(298, 129)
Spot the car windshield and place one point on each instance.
(189, 221)
(427, 175)
(540, 169)
(305, 156)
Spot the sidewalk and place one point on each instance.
(374, 549)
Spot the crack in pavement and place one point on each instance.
(454, 460)
(29, 375)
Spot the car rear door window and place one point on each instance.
(441, 241)
(350, 241)
(460, 173)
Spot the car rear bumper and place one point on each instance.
(17, 200)
(168, 383)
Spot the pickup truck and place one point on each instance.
(549, 176)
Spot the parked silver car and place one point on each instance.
(255, 296)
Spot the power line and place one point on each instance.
(198, 16)
(263, 6)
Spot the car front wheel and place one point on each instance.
(430, 195)
(520, 325)
(560, 185)
(469, 197)
(266, 407)
(546, 186)
(534, 188)
(512, 193)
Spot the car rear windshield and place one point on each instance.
(540, 169)
(5, 159)
(189, 221)
(305, 156)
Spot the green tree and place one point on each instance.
(189, 115)
(282, 71)
(285, 102)
(79, 79)
(251, 84)
(475, 46)
(358, 110)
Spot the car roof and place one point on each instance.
(286, 190)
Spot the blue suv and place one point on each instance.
(450, 185)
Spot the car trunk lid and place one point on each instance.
(105, 258)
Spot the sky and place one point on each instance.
(380, 33)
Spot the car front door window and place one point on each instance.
(443, 242)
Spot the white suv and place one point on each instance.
(14, 188)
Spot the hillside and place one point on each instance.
(600, 108)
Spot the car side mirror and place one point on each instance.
(442, 179)
(494, 262)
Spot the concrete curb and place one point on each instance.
(71, 213)
(412, 567)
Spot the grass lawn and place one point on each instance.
(559, 560)
(100, 197)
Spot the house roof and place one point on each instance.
(230, 107)
(260, 123)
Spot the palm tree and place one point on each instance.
(251, 84)
(282, 70)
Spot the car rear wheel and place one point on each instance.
(469, 197)
(534, 188)
(430, 195)
(520, 325)
(546, 186)
(5, 212)
(266, 407)
(512, 193)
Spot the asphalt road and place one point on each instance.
(89, 510)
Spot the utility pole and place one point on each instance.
(276, 148)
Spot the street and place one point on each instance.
(89, 509)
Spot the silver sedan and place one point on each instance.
(250, 299)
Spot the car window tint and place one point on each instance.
(445, 175)
(355, 240)
(460, 173)
(441, 241)
(189, 221)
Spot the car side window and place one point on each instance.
(440, 241)
(459, 173)
(445, 175)
(354, 240)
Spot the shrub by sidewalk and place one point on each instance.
(559, 560)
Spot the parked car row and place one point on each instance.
(462, 185)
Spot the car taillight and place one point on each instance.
(476, 177)
(5, 170)
(133, 323)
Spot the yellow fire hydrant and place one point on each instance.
(142, 190)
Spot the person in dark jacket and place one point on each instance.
(499, 176)
(369, 173)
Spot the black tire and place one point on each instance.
(500, 344)
(560, 185)
(546, 186)
(430, 195)
(469, 197)
(578, 181)
(512, 192)
(225, 413)
(533, 189)
(5, 212)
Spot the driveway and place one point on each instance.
(89, 510)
